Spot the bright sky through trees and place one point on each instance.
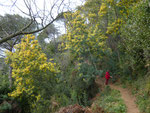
(17, 6)
(39, 8)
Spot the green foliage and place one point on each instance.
(143, 103)
(4, 88)
(110, 101)
(11, 24)
(48, 40)
(4, 69)
(5, 104)
(75, 86)
(4, 84)
(33, 75)
(136, 41)
(140, 88)
(135, 58)
(84, 83)
(101, 35)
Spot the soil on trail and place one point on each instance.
(128, 98)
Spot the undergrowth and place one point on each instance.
(141, 89)
(111, 101)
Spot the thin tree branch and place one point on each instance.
(21, 32)
(15, 34)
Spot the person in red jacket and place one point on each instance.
(107, 76)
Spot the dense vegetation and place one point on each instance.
(101, 35)
(111, 102)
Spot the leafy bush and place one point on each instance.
(33, 74)
(140, 88)
(6, 103)
(110, 101)
(84, 83)
(135, 44)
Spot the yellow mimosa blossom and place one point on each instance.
(28, 63)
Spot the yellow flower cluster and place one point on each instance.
(114, 27)
(103, 10)
(75, 32)
(81, 38)
(110, 1)
(28, 62)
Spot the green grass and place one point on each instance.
(111, 101)
(141, 89)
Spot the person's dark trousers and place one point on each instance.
(106, 82)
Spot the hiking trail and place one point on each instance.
(128, 98)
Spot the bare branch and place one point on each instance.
(41, 15)
(60, 5)
(14, 3)
(15, 34)
(21, 32)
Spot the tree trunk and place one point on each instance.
(10, 77)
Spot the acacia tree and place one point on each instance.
(8, 25)
(31, 70)
(136, 40)
(39, 16)
(96, 26)
(85, 41)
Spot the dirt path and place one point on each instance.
(128, 99)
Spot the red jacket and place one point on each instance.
(107, 75)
